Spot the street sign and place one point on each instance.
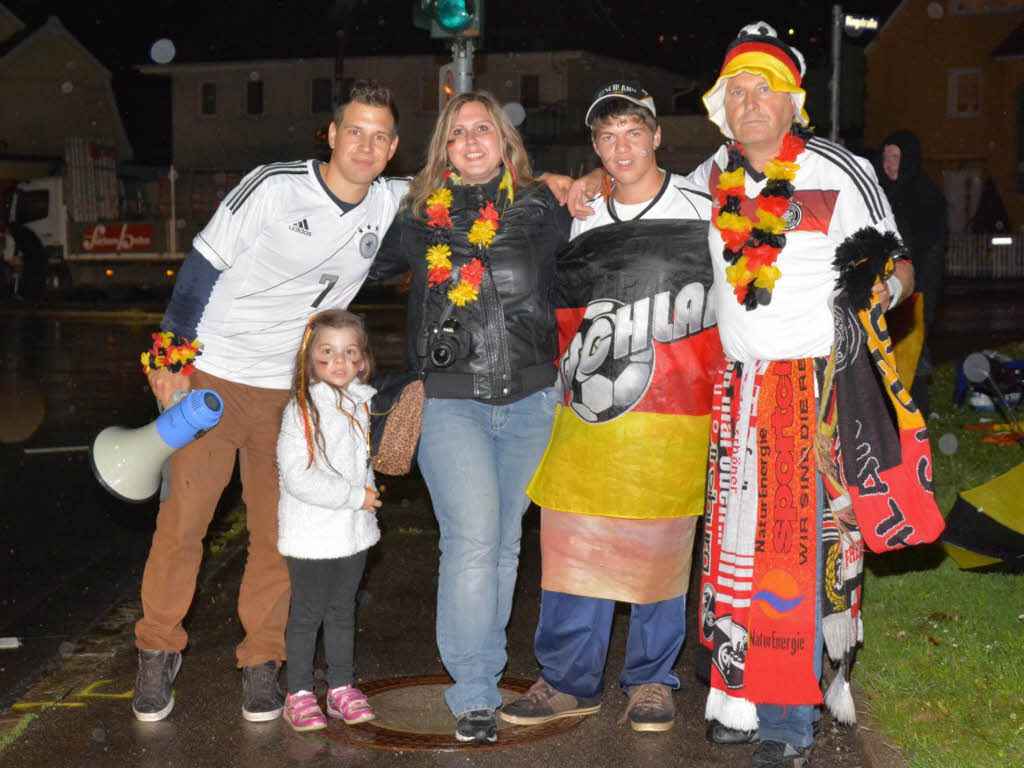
(856, 25)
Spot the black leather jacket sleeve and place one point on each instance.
(390, 259)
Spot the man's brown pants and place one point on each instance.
(199, 473)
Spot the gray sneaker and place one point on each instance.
(154, 698)
(542, 703)
(262, 697)
(650, 708)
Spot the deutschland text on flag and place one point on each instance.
(639, 348)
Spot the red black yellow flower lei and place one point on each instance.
(481, 234)
(175, 353)
(752, 249)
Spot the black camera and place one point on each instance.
(446, 343)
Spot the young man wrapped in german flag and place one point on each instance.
(621, 485)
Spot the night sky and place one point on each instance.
(688, 37)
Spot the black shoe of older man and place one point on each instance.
(723, 734)
(775, 754)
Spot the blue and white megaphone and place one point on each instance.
(127, 462)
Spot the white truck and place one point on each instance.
(45, 250)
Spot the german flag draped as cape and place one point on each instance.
(639, 348)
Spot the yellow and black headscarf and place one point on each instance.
(759, 51)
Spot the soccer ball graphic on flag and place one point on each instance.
(602, 387)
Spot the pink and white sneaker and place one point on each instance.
(302, 712)
(349, 704)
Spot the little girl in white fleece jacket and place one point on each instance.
(327, 515)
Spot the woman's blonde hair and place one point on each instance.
(303, 373)
(513, 153)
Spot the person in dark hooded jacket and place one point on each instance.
(920, 210)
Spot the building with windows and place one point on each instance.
(231, 116)
(952, 71)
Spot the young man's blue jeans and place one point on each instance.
(572, 642)
(477, 460)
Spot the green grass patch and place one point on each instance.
(942, 666)
(12, 735)
(227, 531)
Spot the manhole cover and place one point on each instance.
(411, 715)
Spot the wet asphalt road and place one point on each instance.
(71, 552)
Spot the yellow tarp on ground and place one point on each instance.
(1000, 498)
(986, 525)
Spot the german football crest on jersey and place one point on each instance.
(792, 216)
(368, 241)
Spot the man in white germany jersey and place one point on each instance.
(292, 239)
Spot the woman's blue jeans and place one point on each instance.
(477, 460)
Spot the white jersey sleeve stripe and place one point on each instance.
(240, 200)
(845, 160)
(254, 178)
(857, 164)
(257, 176)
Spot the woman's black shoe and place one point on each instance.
(477, 726)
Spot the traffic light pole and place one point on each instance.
(837, 47)
(462, 58)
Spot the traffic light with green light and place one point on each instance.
(450, 18)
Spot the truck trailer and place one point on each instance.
(90, 228)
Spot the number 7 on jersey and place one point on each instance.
(330, 280)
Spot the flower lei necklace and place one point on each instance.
(481, 234)
(752, 249)
(175, 353)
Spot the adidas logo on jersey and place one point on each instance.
(301, 227)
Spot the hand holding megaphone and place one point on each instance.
(127, 462)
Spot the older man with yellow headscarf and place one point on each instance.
(784, 202)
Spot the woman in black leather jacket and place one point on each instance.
(480, 236)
